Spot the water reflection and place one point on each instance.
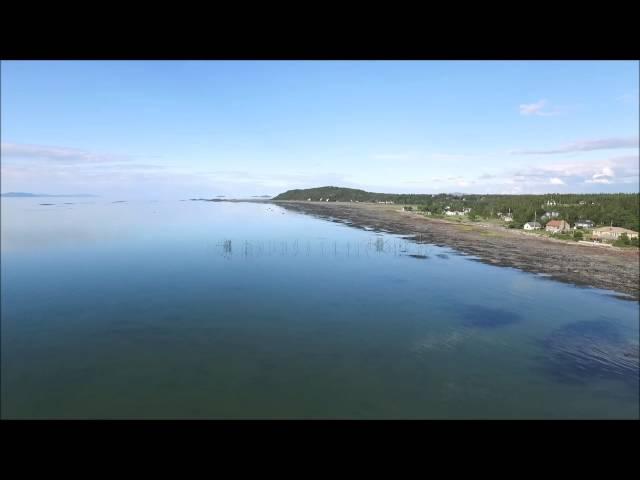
(323, 247)
(488, 317)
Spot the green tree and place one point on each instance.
(622, 241)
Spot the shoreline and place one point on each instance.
(612, 268)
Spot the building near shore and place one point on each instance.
(532, 226)
(557, 226)
(612, 233)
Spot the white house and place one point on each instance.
(507, 218)
(453, 213)
(613, 233)
(532, 226)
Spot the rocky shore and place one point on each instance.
(607, 268)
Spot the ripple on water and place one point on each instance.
(589, 350)
(488, 317)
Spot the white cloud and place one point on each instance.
(605, 176)
(586, 146)
(618, 171)
(527, 109)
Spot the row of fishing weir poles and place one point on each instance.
(379, 245)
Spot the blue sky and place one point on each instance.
(187, 128)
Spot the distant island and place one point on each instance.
(32, 195)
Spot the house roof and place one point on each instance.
(556, 223)
(614, 230)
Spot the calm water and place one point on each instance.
(218, 310)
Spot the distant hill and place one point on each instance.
(334, 194)
(341, 194)
(31, 195)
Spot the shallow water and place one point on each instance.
(236, 310)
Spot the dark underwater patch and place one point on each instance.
(589, 350)
(420, 257)
(442, 255)
(487, 317)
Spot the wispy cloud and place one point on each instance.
(631, 98)
(392, 156)
(538, 109)
(59, 154)
(275, 179)
(585, 146)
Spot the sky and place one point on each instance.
(191, 129)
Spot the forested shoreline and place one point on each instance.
(617, 209)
